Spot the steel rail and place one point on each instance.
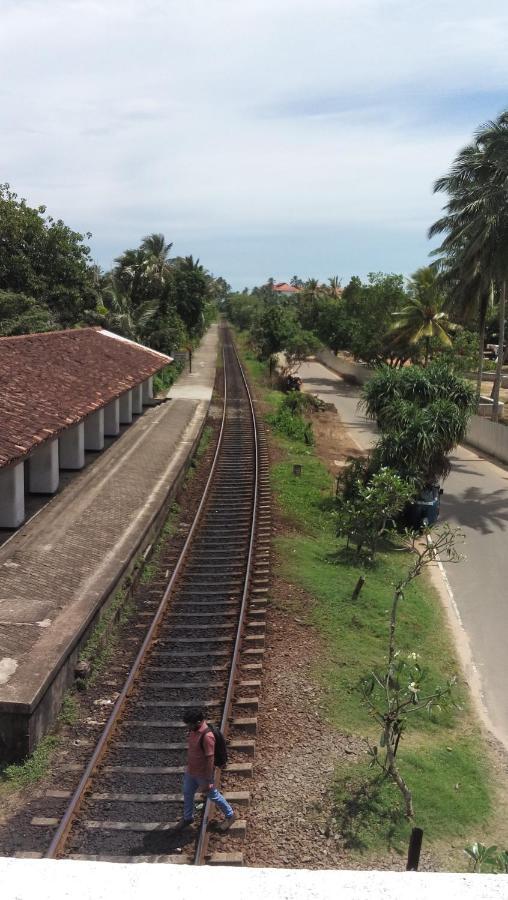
(62, 832)
(201, 848)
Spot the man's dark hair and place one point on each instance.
(192, 715)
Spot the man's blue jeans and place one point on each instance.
(190, 786)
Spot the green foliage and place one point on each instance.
(486, 858)
(423, 319)
(20, 314)
(47, 280)
(292, 425)
(273, 330)
(242, 310)
(332, 325)
(188, 292)
(289, 420)
(373, 508)
(300, 402)
(44, 260)
(472, 256)
(164, 379)
(462, 356)
(422, 413)
(69, 710)
(367, 316)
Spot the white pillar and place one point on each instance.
(137, 399)
(94, 430)
(112, 418)
(148, 390)
(43, 469)
(126, 408)
(72, 447)
(12, 496)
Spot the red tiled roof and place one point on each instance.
(284, 288)
(53, 380)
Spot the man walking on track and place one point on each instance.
(200, 772)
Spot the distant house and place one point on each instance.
(284, 288)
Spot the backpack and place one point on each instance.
(220, 757)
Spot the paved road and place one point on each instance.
(476, 499)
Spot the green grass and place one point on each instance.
(436, 754)
(356, 632)
(450, 798)
(33, 769)
(69, 710)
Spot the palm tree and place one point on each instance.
(129, 271)
(120, 314)
(334, 288)
(156, 256)
(476, 220)
(423, 318)
(312, 290)
(470, 291)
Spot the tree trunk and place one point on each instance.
(393, 772)
(500, 353)
(427, 350)
(398, 595)
(480, 362)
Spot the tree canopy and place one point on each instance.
(44, 259)
(48, 281)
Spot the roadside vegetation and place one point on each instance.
(441, 754)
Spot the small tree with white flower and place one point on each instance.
(394, 694)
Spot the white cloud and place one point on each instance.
(219, 117)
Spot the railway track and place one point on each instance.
(204, 647)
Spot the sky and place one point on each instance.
(265, 137)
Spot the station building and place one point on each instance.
(61, 394)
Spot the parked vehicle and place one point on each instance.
(424, 511)
(292, 383)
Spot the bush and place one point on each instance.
(166, 378)
(289, 420)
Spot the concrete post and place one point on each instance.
(94, 431)
(126, 408)
(12, 496)
(147, 390)
(72, 447)
(112, 418)
(43, 469)
(137, 399)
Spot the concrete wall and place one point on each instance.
(487, 376)
(488, 436)
(348, 368)
(44, 879)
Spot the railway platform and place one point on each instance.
(64, 564)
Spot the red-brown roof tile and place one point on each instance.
(53, 380)
(284, 288)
